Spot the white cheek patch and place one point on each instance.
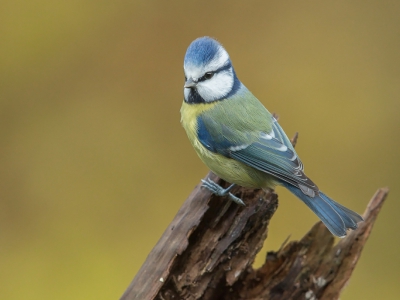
(217, 87)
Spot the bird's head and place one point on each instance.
(209, 74)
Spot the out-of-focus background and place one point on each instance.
(94, 163)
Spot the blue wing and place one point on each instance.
(270, 152)
(273, 154)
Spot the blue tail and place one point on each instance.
(335, 216)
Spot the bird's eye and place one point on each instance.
(208, 75)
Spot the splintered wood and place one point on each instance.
(208, 250)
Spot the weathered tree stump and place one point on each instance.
(208, 250)
(206, 253)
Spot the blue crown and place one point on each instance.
(201, 51)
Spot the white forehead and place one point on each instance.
(196, 71)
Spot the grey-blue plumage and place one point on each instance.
(335, 216)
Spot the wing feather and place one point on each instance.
(270, 152)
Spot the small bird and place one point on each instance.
(241, 141)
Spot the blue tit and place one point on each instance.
(240, 140)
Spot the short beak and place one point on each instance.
(190, 83)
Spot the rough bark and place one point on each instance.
(208, 250)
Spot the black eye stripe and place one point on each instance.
(206, 76)
(223, 68)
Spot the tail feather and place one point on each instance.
(335, 216)
(349, 222)
(354, 216)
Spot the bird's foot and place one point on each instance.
(220, 191)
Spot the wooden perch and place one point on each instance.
(208, 250)
(206, 255)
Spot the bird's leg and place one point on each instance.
(220, 191)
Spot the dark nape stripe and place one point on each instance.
(224, 67)
(236, 85)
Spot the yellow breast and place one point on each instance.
(228, 169)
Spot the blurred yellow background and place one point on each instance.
(94, 163)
